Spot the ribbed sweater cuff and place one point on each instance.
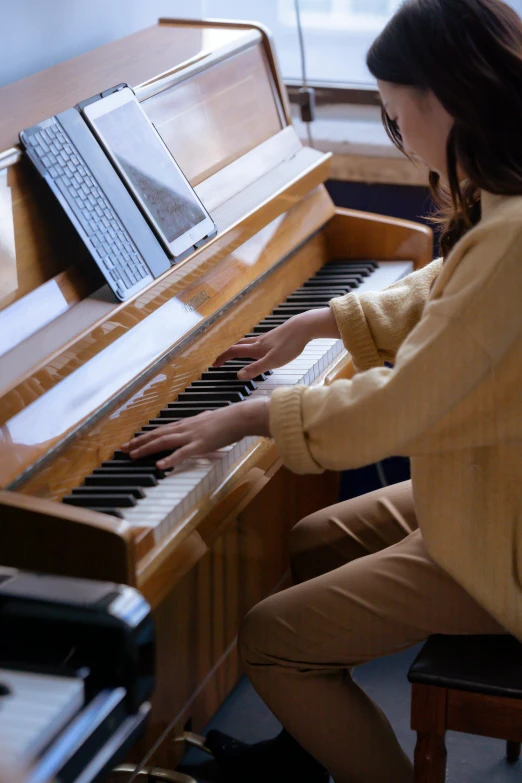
(355, 333)
(286, 427)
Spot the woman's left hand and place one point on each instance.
(199, 435)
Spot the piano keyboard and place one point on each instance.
(34, 708)
(143, 495)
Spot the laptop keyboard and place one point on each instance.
(110, 242)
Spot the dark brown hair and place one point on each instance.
(469, 54)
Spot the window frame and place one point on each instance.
(333, 92)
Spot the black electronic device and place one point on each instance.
(77, 667)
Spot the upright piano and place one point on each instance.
(80, 372)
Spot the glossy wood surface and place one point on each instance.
(133, 59)
(195, 355)
(36, 240)
(217, 116)
(354, 234)
(159, 565)
(42, 536)
(153, 323)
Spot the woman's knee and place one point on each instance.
(318, 544)
(255, 634)
(304, 535)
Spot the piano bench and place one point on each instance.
(471, 684)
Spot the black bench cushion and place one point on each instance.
(482, 664)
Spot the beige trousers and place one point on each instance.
(364, 587)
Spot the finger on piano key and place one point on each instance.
(177, 491)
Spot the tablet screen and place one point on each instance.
(150, 169)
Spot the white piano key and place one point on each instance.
(179, 493)
(38, 707)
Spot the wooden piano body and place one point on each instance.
(79, 373)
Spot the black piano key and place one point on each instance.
(186, 404)
(95, 501)
(246, 387)
(114, 512)
(213, 387)
(339, 275)
(263, 328)
(293, 309)
(178, 414)
(346, 272)
(325, 285)
(311, 296)
(130, 479)
(155, 423)
(130, 467)
(135, 492)
(323, 289)
(220, 374)
(331, 281)
(336, 276)
(205, 395)
(286, 309)
(323, 301)
(371, 265)
(317, 296)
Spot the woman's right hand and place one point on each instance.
(282, 344)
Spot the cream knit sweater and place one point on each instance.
(452, 403)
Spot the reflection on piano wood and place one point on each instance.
(80, 373)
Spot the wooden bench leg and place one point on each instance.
(513, 751)
(430, 758)
(428, 719)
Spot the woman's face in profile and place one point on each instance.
(423, 122)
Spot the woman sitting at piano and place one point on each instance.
(442, 553)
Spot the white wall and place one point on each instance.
(39, 33)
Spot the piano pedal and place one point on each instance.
(152, 774)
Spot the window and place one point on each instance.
(337, 33)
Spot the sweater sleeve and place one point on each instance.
(374, 324)
(428, 402)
